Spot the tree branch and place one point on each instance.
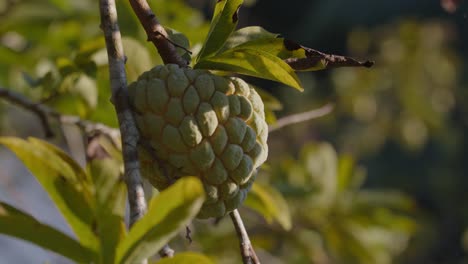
(38, 109)
(313, 57)
(156, 33)
(247, 250)
(300, 117)
(128, 130)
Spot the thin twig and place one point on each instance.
(301, 117)
(246, 248)
(156, 33)
(44, 113)
(128, 130)
(38, 109)
(313, 57)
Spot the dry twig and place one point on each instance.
(44, 113)
(313, 57)
(246, 248)
(301, 117)
(41, 111)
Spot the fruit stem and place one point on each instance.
(156, 33)
(247, 250)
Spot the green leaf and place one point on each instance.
(16, 223)
(106, 174)
(247, 34)
(63, 180)
(83, 180)
(168, 212)
(273, 45)
(77, 95)
(182, 42)
(259, 39)
(186, 258)
(223, 23)
(111, 201)
(269, 203)
(255, 63)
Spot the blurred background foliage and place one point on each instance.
(382, 179)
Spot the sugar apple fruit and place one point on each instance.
(193, 122)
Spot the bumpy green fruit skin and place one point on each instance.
(193, 122)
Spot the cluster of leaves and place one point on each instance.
(54, 51)
(251, 50)
(336, 219)
(418, 98)
(318, 212)
(407, 111)
(93, 203)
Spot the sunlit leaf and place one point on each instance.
(270, 204)
(299, 57)
(255, 63)
(16, 223)
(223, 23)
(111, 202)
(83, 179)
(62, 180)
(168, 212)
(186, 258)
(279, 47)
(107, 178)
(247, 34)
